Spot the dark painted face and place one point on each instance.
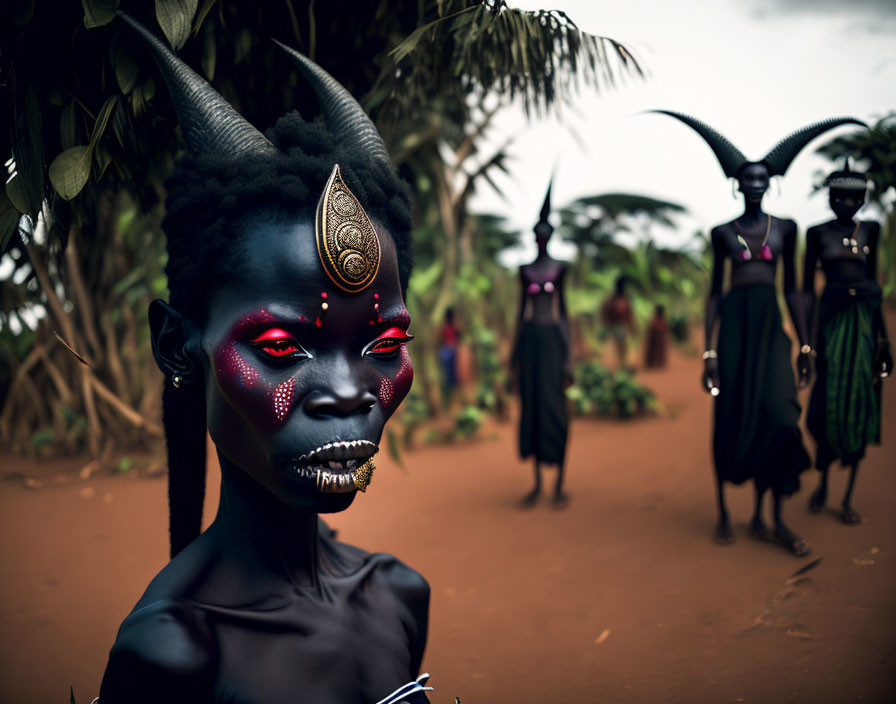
(846, 203)
(543, 232)
(300, 376)
(752, 181)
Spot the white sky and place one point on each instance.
(755, 70)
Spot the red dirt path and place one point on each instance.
(622, 597)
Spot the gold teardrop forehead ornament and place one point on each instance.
(347, 243)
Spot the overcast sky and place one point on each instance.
(755, 70)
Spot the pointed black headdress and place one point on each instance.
(846, 179)
(546, 206)
(777, 160)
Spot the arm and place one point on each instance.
(564, 323)
(810, 300)
(519, 324)
(412, 592)
(883, 358)
(794, 302)
(710, 377)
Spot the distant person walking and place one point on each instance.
(655, 351)
(449, 339)
(618, 321)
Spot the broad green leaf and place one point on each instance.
(102, 120)
(209, 54)
(176, 19)
(148, 89)
(126, 68)
(70, 170)
(200, 16)
(103, 159)
(16, 195)
(98, 12)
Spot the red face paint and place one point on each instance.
(393, 390)
(263, 402)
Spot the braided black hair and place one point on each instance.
(207, 194)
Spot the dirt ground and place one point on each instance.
(622, 597)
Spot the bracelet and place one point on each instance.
(806, 349)
(710, 354)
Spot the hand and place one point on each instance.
(804, 369)
(883, 360)
(710, 378)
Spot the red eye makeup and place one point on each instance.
(389, 342)
(277, 342)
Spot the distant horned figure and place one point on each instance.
(748, 371)
(541, 361)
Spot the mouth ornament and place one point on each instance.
(339, 467)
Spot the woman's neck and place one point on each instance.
(846, 220)
(752, 213)
(257, 530)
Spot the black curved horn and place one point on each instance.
(785, 151)
(208, 121)
(730, 157)
(343, 115)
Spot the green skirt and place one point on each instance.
(844, 409)
(755, 434)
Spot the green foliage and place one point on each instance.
(540, 56)
(42, 440)
(412, 414)
(491, 373)
(176, 18)
(675, 278)
(98, 12)
(467, 422)
(599, 392)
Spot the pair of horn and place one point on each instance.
(777, 160)
(210, 123)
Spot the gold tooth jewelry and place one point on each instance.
(364, 474)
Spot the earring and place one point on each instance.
(176, 381)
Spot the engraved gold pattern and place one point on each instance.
(364, 474)
(347, 242)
